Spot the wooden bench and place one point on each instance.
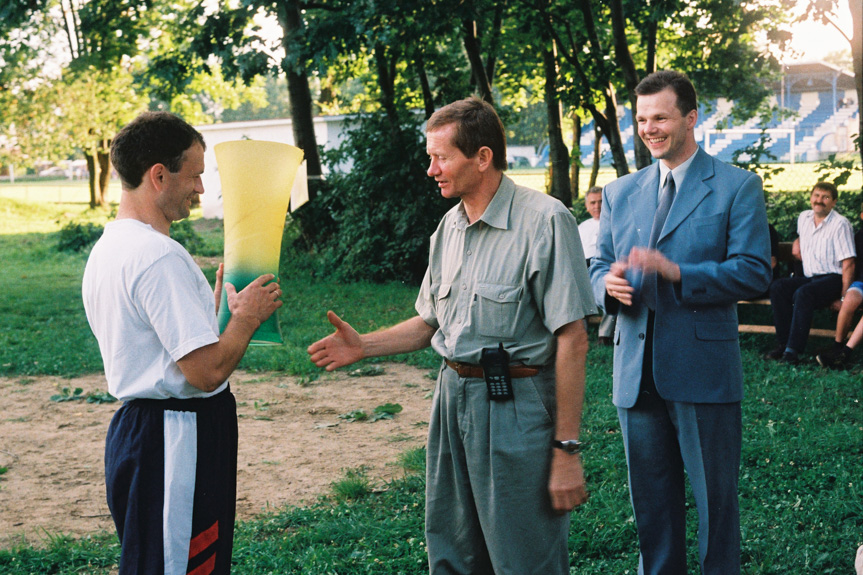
(783, 257)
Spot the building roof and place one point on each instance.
(816, 76)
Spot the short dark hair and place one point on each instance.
(152, 138)
(677, 81)
(827, 187)
(477, 125)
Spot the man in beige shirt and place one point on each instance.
(506, 270)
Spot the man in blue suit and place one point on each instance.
(680, 242)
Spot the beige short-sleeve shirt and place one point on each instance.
(514, 276)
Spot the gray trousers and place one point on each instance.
(487, 505)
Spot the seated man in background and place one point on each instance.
(826, 248)
(839, 354)
(589, 230)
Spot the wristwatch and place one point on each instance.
(570, 446)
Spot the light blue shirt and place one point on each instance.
(678, 173)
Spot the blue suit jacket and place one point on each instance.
(717, 233)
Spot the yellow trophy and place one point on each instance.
(257, 178)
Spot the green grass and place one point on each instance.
(802, 462)
(60, 191)
(43, 329)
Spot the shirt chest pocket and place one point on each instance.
(441, 298)
(496, 310)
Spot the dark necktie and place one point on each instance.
(666, 197)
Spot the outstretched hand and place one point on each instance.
(341, 348)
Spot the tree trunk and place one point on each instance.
(607, 123)
(386, 82)
(630, 76)
(494, 44)
(428, 97)
(611, 129)
(857, 59)
(471, 46)
(92, 168)
(558, 154)
(299, 94)
(103, 160)
(597, 141)
(575, 160)
(650, 62)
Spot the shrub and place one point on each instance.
(374, 221)
(183, 232)
(783, 208)
(77, 236)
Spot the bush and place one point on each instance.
(373, 222)
(77, 236)
(783, 208)
(183, 232)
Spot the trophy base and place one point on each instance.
(268, 333)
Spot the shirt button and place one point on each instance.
(641, 336)
(500, 296)
(469, 252)
(463, 286)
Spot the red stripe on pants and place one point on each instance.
(205, 568)
(203, 540)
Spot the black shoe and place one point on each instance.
(775, 354)
(836, 357)
(790, 357)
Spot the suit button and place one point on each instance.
(641, 336)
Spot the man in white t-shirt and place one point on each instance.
(826, 247)
(589, 230)
(171, 449)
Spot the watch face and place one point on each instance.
(569, 446)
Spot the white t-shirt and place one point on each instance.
(149, 305)
(589, 231)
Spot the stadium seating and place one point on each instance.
(814, 124)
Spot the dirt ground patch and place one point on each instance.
(293, 444)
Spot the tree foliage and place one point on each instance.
(74, 72)
(382, 208)
(381, 58)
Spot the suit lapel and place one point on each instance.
(692, 192)
(643, 203)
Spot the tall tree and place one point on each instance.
(826, 12)
(630, 74)
(291, 20)
(92, 39)
(574, 27)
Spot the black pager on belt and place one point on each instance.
(495, 368)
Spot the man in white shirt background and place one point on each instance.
(826, 247)
(589, 230)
